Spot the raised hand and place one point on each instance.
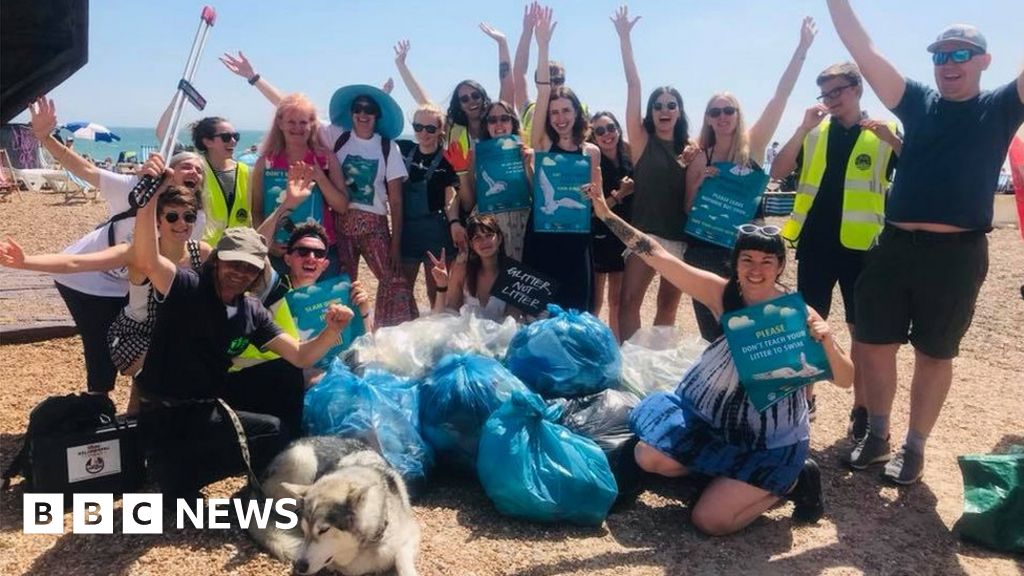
(530, 13)
(818, 326)
(389, 85)
(494, 33)
(880, 128)
(439, 269)
(625, 188)
(338, 317)
(43, 118)
(545, 27)
(238, 65)
(813, 116)
(808, 30)
(596, 195)
(623, 25)
(688, 154)
(154, 166)
(401, 51)
(300, 184)
(11, 254)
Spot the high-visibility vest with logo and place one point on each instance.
(864, 189)
(218, 217)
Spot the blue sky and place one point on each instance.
(138, 50)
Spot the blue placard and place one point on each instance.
(501, 183)
(724, 202)
(360, 175)
(275, 186)
(559, 203)
(308, 305)
(773, 351)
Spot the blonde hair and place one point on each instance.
(273, 144)
(739, 153)
(442, 118)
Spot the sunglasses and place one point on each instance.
(716, 112)
(362, 108)
(767, 230)
(172, 217)
(502, 118)
(465, 98)
(226, 137)
(669, 105)
(302, 251)
(957, 56)
(557, 80)
(430, 128)
(601, 130)
(833, 93)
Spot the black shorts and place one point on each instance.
(921, 286)
(818, 272)
(607, 253)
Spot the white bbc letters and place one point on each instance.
(43, 514)
(92, 514)
(142, 514)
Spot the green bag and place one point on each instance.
(994, 500)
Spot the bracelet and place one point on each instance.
(367, 315)
(255, 78)
(541, 83)
(441, 289)
(454, 221)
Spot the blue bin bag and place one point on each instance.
(380, 408)
(567, 355)
(535, 469)
(457, 399)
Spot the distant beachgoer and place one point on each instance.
(921, 282)
(94, 299)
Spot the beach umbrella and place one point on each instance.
(249, 158)
(91, 131)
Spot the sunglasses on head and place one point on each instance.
(302, 251)
(430, 128)
(669, 105)
(957, 56)
(716, 112)
(226, 137)
(834, 93)
(365, 108)
(503, 118)
(474, 95)
(601, 130)
(767, 230)
(172, 217)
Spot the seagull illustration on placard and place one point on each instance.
(492, 186)
(550, 204)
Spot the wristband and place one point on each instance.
(541, 83)
(367, 315)
(441, 289)
(454, 221)
(255, 78)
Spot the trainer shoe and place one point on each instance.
(858, 427)
(808, 501)
(905, 468)
(871, 450)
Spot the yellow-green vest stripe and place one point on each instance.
(218, 217)
(252, 356)
(865, 185)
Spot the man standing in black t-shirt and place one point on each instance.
(845, 163)
(922, 281)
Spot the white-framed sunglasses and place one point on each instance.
(767, 230)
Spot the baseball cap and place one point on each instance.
(960, 33)
(241, 244)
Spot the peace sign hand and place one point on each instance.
(440, 269)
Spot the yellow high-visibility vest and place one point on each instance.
(864, 190)
(218, 217)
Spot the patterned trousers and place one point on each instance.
(366, 234)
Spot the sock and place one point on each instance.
(915, 441)
(878, 425)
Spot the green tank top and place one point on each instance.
(659, 206)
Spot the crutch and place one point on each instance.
(147, 185)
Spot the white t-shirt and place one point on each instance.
(111, 283)
(362, 163)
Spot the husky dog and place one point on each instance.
(354, 513)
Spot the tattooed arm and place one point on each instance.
(701, 285)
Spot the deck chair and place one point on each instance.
(72, 187)
(8, 181)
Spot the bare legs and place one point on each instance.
(613, 280)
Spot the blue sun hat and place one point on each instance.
(389, 123)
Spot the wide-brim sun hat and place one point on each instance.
(389, 124)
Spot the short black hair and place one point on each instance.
(307, 230)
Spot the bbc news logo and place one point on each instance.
(144, 513)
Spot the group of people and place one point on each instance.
(199, 267)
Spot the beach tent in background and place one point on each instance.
(91, 131)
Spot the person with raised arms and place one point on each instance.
(921, 282)
(708, 425)
(725, 137)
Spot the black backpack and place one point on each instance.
(385, 145)
(59, 416)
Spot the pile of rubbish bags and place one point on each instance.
(538, 413)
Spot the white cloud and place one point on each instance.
(740, 322)
(583, 162)
(771, 309)
(509, 144)
(343, 285)
(787, 311)
(300, 295)
(548, 161)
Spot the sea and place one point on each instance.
(133, 140)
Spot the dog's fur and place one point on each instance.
(354, 513)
